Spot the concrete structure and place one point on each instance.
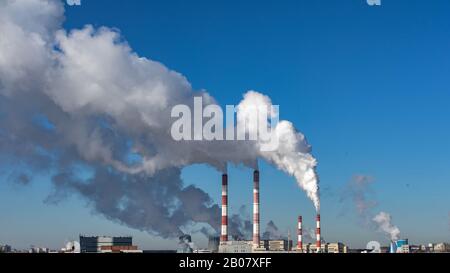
(256, 236)
(236, 247)
(336, 248)
(95, 244)
(277, 245)
(326, 248)
(312, 248)
(441, 248)
(266, 246)
(120, 249)
(5, 249)
(34, 249)
(399, 246)
(224, 226)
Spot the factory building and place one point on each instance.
(106, 244)
(5, 249)
(236, 247)
(441, 248)
(326, 248)
(400, 246)
(312, 248)
(277, 245)
(336, 248)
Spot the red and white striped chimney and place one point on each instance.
(318, 237)
(224, 228)
(256, 238)
(300, 234)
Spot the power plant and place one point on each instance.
(256, 245)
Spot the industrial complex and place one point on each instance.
(222, 244)
(258, 246)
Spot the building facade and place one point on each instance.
(99, 244)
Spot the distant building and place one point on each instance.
(277, 245)
(5, 249)
(105, 244)
(336, 248)
(441, 248)
(326, 248)
(34, 249)
(312, 248)
(400, 246)
(236, 247)
(247, 246)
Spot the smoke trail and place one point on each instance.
(83, 100)
(239, 224)
(293, 155)
(384, 220)
(272, 232)
(360, 192)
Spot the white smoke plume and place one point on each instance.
(83, 99)
(384, 220)
(293, 155)
(361, 194)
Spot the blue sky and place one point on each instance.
(368, 86)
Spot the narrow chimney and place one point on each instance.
(256, 238)
(300, 234)
(318, 237)
(224, 230)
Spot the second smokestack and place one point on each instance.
(256, 237)
(318, 237)
(224, 227)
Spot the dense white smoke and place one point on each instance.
(83, 99)
(384, 220)
(293, 154)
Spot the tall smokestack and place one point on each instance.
(224, 230)
(300, 234)
(256, 238)
(318, 237)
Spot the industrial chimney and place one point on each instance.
(300, 234)
(318, 237)
(256, 238)
(224, 228)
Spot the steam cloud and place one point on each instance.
(84, 108)
(360, 192)
(383, 220)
